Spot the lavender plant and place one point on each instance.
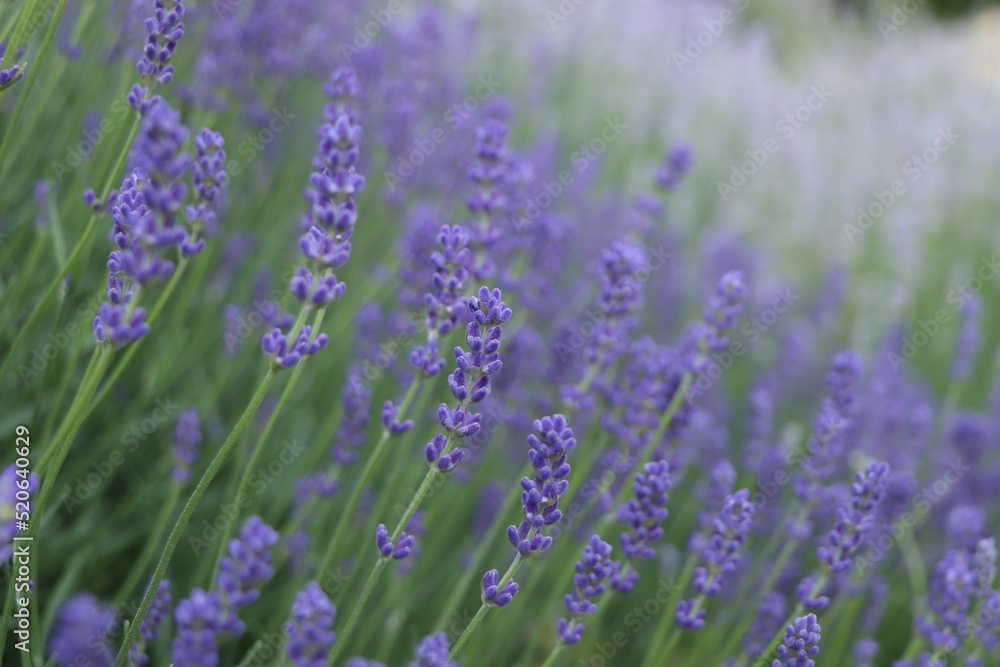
(769, 369)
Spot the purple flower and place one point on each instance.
(676, 164)
(721, 551)
(187, 437)
(285, 354)
(81, 634)
(540, 495)
(398, 551)
(433, 652)
(493, 594)
(8, 77)
(801, 643)
(199, 623)
(210, 178)
(389, 421)
(643, 514)
(470, 382)
(12, 481)
(967, 343)
(150, 628)
(593, 570)
(865, 652)
(724, 309)
(489, 175)
(770, 615)
(310, 630)
(619, 302)
(356, 401)
(451, 271)
(951, 598)
(246, 566)
(164, 29)
(854, 520)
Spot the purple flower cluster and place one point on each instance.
(398, 551)
(150, 628)
(433, 652)
(310, 630)
(10, 76)
(187, 437)
(801, 643)
(675, 166)
(199, 625)
(619, 302)
(210, 178)
(451, 271)
(854, 519)
(82, 631)
(470, 382)
(489, 174)
(493, 593)
(644, 515)
(356, 401)
(245, 568)
(724, 309)
(593, 570)
(164, 30)
(720, 554)
(285, 353)
(540, 495)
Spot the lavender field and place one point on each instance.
(402, 333)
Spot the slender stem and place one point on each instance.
(352, 503)
(248, 470)
(32, 75)
(556, 650)
(152, 542)
(187, 512)
(352, 621)
(475, 623)
(661, 632)
(43, 463)
(20, 34)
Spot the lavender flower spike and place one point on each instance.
(470, 382)
(967, 343)
(540, 496)
(398, 551)
(164, 31)
(720, 554)
(801, 643)
(644, 514)
(244, 569)
(310, 630)
(187, 437)
(593, 569)
(199, 624)
(493, 594)
(854, 519)
(433, 652)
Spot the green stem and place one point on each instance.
(348, 511)
(241, 487)
(352, 621)
(480, 616)
(20, 34)
(187, 512)
(152, 542)
(551, 660)
(43, 463)
(29, 78)
(658, 648)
